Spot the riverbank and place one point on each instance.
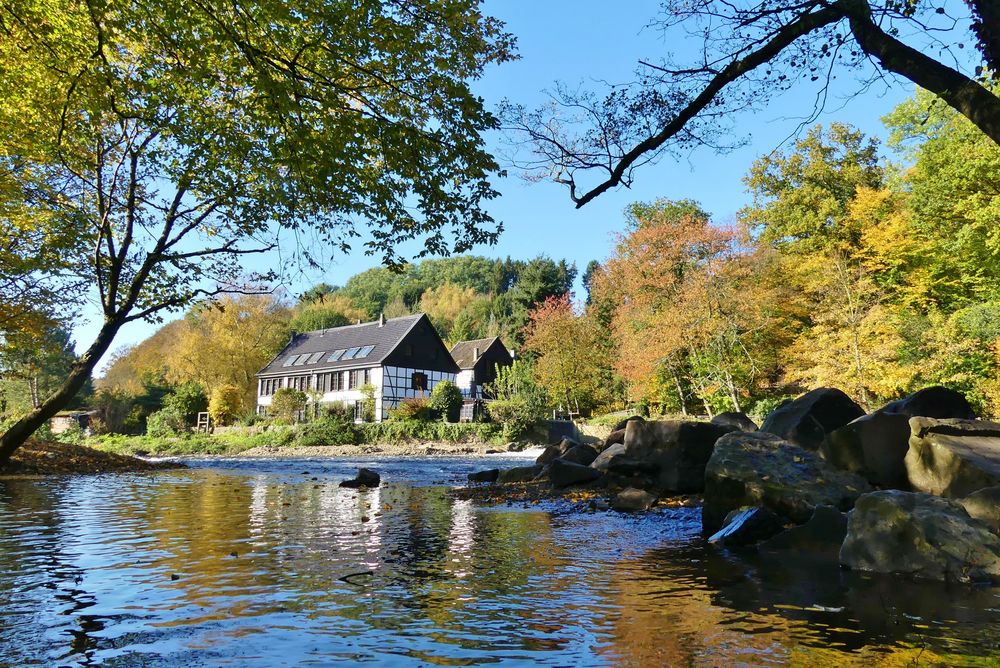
(403, 449)
(38, 458)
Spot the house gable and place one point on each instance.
(422, 348)
(491, 352)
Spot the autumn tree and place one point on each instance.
(171, 141)
(444, 304)
(570, 361)
(750, 53)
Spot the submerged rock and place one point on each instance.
(632, 500)
(679, 450)
(953, 458)
(519, 474)
(934, 402)
(365, 478)
(984, 505)
(746, 526)
(819, 538)
(874, 446)
(807, 420)
(761, 469)
(735, 420)
(920, 535)
(604, 459)
(563, 473)
(489, 475)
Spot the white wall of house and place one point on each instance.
(397, 384)
(346, 396)
(464, 382)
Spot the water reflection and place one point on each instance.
(274, 564)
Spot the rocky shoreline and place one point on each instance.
(911, 489)
(405, 449)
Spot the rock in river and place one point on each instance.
(365, 478)
(953, 457)
(874, 446)
(519, 474)
(760, 469)
(819, 538)
(746, 526)
(557, 450)
(920, 535)
(632, 500)
(489, 475)
(679, 450)
(807, 420)
(563, 473)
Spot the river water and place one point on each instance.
(269, 562)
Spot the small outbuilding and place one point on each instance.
(478, 360)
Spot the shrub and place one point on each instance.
(516, 415)
(446, 400)
(330, 430)
(225, 404)
(287, 403)
(166, 422)
(368, 403)
(413, 409)
(188, 399)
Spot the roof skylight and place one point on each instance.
(290, 360)
(336, 355)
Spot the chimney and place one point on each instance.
(381, 319)
(475, 354)
(292, 336)
(359, 321)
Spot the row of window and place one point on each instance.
(339, 355)
(333, 381)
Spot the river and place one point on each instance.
(269, 562)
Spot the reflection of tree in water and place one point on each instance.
(694, 604)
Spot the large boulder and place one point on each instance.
(874, 446)
(953, 457)
(581, 454)
(920, 535)
(632, 500)
(746, 526)
(818, 539)
(807, 420)
(984, 505)
(563, 473)
(740, 421)
(678, 449)
(556, 450)
(761, 469)
(604, 459)
(934, 402)
(622, 424)
(519, 474)
(617, 436)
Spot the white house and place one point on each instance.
(400, 357)
(478, 360)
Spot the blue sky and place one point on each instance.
(578, 43)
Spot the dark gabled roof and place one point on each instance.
(383, 340)
(464, 352)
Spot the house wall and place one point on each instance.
(343, 396)
(464, 380)
(398, 385)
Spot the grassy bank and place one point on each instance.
(320, 433)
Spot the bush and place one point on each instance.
(413, 409)
(516, 415)
(396, 431)
(225, 404)
(330, 430)
(188, 399)
(287, 403)
(764, 407)
(446, 400)
(169, 421)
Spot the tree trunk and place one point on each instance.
(680, 393)
(20, 431)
